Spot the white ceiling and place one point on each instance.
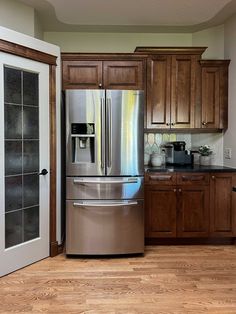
(131, 15)
(137, 12)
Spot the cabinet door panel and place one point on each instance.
(158, 92)
(123, 75)
(160, 212)
(183, 91)
(193, 211)
(82, 74)
(222, 204)
(210, 97)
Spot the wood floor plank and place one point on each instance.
(166, 280)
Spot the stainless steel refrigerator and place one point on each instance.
(104, 172)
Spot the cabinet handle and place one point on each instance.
(180, 190)
(204, 123)
(100, 85)
(213, 177)
(174, 190)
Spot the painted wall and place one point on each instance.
(230, 53)
(213, 38)
(20, 17)
(17, 16)
(113, 42)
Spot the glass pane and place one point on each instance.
(13, 228)
(31, 190)
(30, 123)
(13, 193)
(12, 86)
(31, 156)
(21, 122)
(31, 223)
(30, 89)
(13, 121)
(13, 157)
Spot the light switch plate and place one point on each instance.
(228, 153)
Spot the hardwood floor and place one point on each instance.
(169, 279)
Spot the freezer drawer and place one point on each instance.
(104, 188)
(104, 227)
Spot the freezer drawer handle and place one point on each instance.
(111, 204)
(84, 181)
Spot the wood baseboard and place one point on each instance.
(54, 249)
(189, 241)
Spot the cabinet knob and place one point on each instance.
(180, 190)
(174, 190)
(204, 123)
(173, 124)
(167, 124)
(213, 177)
(100, 85)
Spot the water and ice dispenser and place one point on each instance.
(83, 141)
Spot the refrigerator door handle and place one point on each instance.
(109, 132)
(104, 204)
(129, 180)
(102, 134)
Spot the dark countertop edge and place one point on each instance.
(195, 168)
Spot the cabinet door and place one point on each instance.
(82, 74)
(183, 91)
(210, 97)
(160, 211)
(123, 75)
(193, 211)
(158, 92)
(223, 200)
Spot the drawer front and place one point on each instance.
(160, 178)
(193, 178)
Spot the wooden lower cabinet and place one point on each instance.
(223, 200)
(191, 210)
(160, 211)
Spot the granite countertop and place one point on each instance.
(187, 168)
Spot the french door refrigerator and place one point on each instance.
(104, 172)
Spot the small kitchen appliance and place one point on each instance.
(176, 153)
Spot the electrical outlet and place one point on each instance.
(228, 153)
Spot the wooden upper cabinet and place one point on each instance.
(158, 95)
(214, 113)
(183, 91)
(172, 87)
(123, 74)
(82, 74)
(105, 71)
(223, 204)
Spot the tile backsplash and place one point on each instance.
(153, 142)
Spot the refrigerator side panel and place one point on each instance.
(85, 128)
(124, 132)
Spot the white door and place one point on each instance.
(24, 152)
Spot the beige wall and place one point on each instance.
(20, 17)
(230, 53)
(17, 16)
(113, 42)
(213, 38)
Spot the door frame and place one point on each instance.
(36, 55)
